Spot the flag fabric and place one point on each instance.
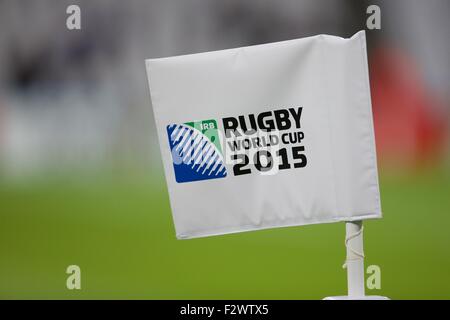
(265, 136)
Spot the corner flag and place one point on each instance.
(266, 136)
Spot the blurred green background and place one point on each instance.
(119, 231)
(81, 180)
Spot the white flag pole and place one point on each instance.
(355, 259)
(355, 264)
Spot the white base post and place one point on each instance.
(355, 264)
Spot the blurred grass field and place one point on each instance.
(119, 231)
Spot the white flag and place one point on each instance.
(266, 136)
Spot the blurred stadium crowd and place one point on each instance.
(80, 98)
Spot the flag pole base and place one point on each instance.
(357, 298)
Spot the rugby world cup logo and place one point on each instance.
(196, 151)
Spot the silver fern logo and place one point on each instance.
(196, 151)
